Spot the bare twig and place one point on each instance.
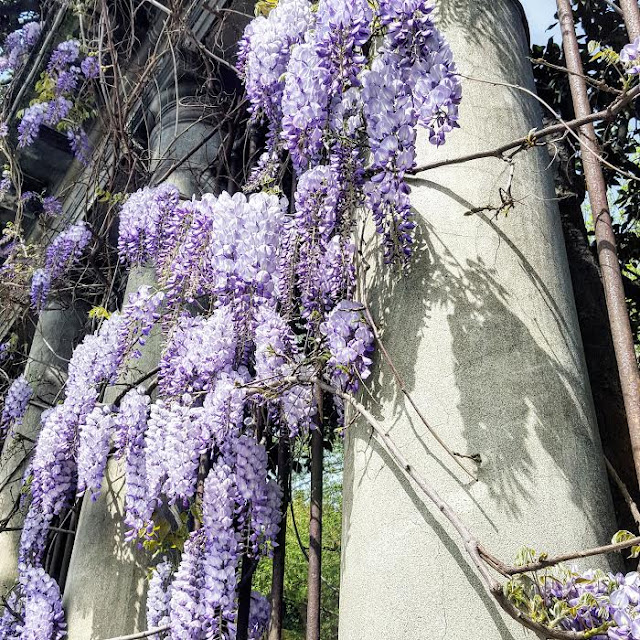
(407, 395)
(633, 507)
(537, 135)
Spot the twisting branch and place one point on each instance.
(143, 634)
(536, 136)
(633, 507)
(407, 395)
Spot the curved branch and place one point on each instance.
(536, 135)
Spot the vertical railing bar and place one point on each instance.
(605, 238)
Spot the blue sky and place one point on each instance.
(540, 15)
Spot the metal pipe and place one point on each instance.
(279, 554)
(605, 238)
(315, 531)
(631, 13)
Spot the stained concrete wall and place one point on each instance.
(57, 332)
(106, 587)
(485, 334)
(107, 576)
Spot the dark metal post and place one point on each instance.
(315, 532)
(606, 244)
(631, 13)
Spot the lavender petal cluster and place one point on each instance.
(185, 616)
(259, 614)
(243, 254)
(630, 57)
(263, 56)
(143, 221)
(197, 350)
(424, 59)
(342, 29)
(604, 605)
(305, 103)
(17, 46)
(222, 551)
(129, 439)
(16, 402)
(90, 67)
(159, 595)
(65, 76)
(42, 612)
(94, 436)
(63, 252)
(350, 342)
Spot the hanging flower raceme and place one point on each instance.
(145, 219)
(16, 401)
(17, 46)
(350, 342)
(56, 104)
(254, 301)
(65, 249)
(159, 595)
(263, 56)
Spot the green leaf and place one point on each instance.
(99, 312)
(622, 536)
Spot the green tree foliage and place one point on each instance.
(295, 591)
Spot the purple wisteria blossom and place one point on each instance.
(16, 402)
(143, 222)
(630, 56)
(264, 53)
(605, 605)
(90, 67)
(61, 254)
(43, 617)
(94, 435)
(185, 610)
(65, 54)
(196, 352)
(259, 613)
(130, 427)
(350, 341)
(79, 143)
(222, 552)
(305, 103)
(17, 46)
(159, 595)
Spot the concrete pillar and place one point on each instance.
(485, 335)
(57, 332)
(105, 591)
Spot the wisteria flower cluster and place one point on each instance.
(65, 249)
(58, 99)
(255, 301)
(336, 104)
(630, 56)
(51, 206)
(16, 401)
(606, 605)
(17, 46)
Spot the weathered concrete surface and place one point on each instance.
(105, 591)
(484, 332)
(57, 332)
(106, 586)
